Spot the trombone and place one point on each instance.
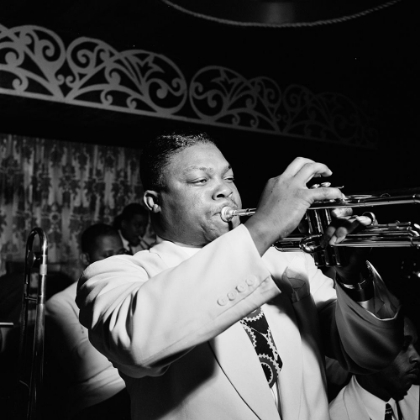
(318, 216)
(31, 354)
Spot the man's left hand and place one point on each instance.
(353, 258)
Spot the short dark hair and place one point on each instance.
(92, 233)
(156, 154)
(132, 209)
(129, 212)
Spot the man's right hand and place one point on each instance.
(285, 200)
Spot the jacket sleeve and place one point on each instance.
(143, 316)
(360, 340)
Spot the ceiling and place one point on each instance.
(154, 24)
(374, 59)
(373, 40)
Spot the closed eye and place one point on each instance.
(199, 181)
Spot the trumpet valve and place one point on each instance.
(311, 244)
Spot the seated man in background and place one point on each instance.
(390, 392)
(133, 227)
(94, 387)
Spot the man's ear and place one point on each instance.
(151, 200)
(84, 258)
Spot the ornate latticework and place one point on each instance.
(35, 63)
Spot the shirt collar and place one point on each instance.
(374, 405)
(187, 249)
(126, 245)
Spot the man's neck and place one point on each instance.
(165, 237)
(369, 384)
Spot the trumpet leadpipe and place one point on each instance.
(228, 213)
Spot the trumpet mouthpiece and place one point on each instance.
(227, 214)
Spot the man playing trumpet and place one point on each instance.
(213, 322)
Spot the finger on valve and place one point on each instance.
(310, 170)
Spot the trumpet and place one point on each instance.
(318, 216)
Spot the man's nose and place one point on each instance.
(223, 189)
(414, 355)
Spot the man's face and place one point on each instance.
(106, 246)
(400, 375)
(134, 228)
(198, 184)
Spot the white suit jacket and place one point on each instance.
(170, 325)
(348, 405)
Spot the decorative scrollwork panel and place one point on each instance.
(220, 95)
(30, 58)
(35, 63)
(137, 80)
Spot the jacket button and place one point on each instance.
(232, 295)
(222, 301)
(241, 287)
(249, 282)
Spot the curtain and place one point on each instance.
(61, 187)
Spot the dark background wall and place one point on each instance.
(373, 60)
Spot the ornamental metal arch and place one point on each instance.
(35, 63)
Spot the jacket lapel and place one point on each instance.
(237, 358)
(234, 353)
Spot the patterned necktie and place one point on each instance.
(389, 414)
(259, 333)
